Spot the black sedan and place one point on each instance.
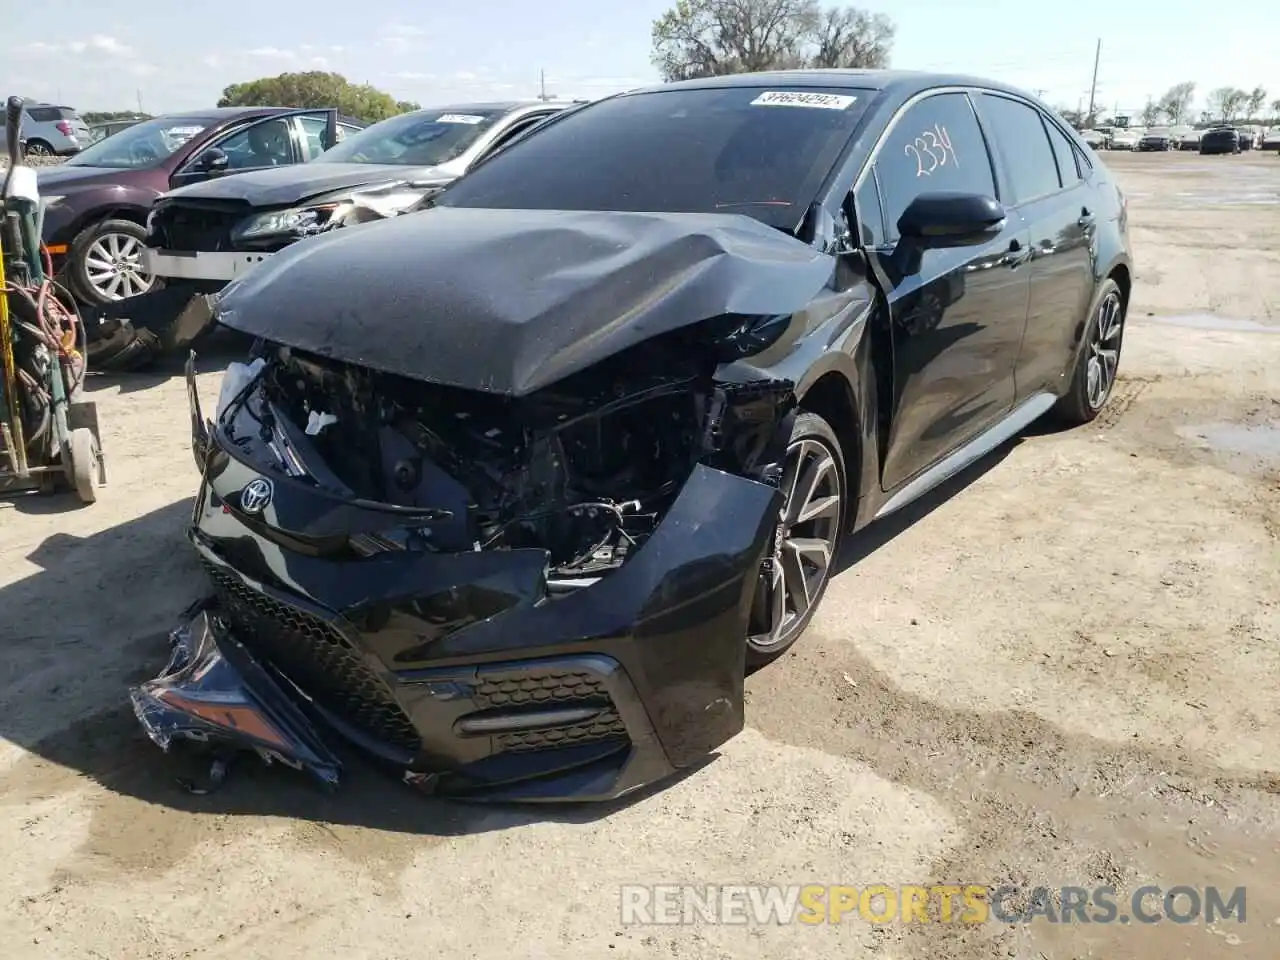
(1220, 140)
(515, 489)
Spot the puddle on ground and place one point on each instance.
(1208, 321)
(1262, 441)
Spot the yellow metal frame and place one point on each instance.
(13, 430)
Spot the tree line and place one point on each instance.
(1226, 104)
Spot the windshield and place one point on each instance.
(761, 152)
(425, 138)
(142, 145)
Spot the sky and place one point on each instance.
(167, 56)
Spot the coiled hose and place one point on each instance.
(59, 328)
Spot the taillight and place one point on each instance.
(64, 128)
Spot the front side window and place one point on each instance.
(263, 144)
(1020, 136)
(936, 145)
(425, 138)
(142, 145)
(760, 152)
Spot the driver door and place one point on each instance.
(282, 150)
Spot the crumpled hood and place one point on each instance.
(282, 186)
(509, 301)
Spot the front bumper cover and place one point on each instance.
(465, 671)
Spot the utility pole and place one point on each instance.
(542, 84)
(1093, 88)
(139, 92)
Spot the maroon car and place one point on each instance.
(95, 223)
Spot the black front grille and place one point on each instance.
(314, 655)
(546, 688)
(179, 226)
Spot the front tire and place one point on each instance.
(104, 263)
(795, 575)
(1098, 363)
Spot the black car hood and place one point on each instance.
(280, 186)
(509, 301)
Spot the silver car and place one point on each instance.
(50, 131)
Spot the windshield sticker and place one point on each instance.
(793, 98)
(469, 118)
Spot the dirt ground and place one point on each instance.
(1062, 670)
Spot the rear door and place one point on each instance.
(1041, 175)
(956, 324)
(313, 126)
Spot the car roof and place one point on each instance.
(903, 82)
(497, 106)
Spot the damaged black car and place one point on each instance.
(514, 490)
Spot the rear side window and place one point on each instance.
(44, 114)
(1024, 147)
(936, 145)
(1065, 154)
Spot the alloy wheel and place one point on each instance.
(1104, 351)
(113, 267)
(38, 149)
(804, 543)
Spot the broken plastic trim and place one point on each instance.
(213, 693)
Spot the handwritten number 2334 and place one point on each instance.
(931, 150)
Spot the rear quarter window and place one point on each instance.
(44, 114)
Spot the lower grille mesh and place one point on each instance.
(316, 657)
(553, 687)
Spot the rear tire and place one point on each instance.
(1098, 362)
(39, 148)
(795, 574)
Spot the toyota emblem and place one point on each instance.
(256, 496)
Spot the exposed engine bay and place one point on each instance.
(584, 469)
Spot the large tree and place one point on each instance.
(1176, 102)
(701, 38)
(315, 89)
(1225, 102)
(1257, 98)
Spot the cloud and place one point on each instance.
(412, 75)
(400, 37)
(465, 76)
(273, 52)
(99, 43)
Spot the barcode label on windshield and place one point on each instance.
(468, 118)
(793, 98)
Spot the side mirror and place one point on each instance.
(213, 160)
(950, 219)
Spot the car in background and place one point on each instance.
(100, 131)
(49, 130)
(1124, 140)
(1271, 140)
(1096, 139)
(99, 199)
(1189, 140)
(1248, 137)
(211, 232)
(1217, 140)
(1154, 139)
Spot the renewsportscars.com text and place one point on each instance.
(676, 904)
